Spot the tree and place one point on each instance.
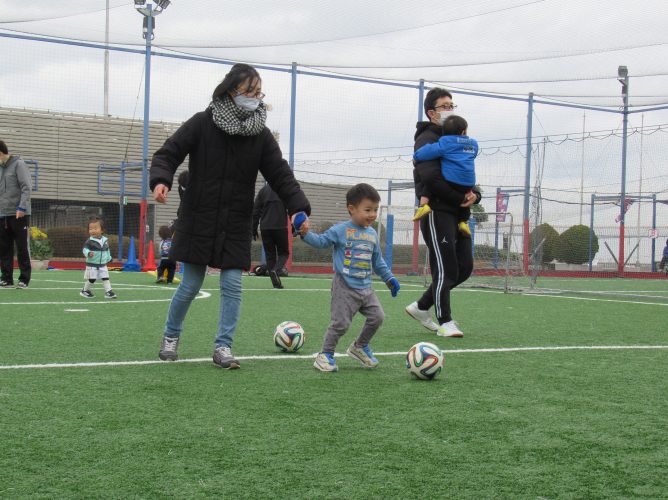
(573, 245)
(478, 211)
(551, 236)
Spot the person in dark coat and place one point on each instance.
(270, 214)
(228, 144)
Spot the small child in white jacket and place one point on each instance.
(96, 251)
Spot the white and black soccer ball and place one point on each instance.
(424, 360)
(289, 336)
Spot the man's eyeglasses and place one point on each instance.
(446, 107)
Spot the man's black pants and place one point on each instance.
(450, 259)
(276, 248)
(15, 231)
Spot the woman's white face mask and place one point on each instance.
(245, 102)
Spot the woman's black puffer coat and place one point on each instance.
(214, 223)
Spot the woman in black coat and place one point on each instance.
(228, 144)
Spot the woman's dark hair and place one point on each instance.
(165, 232)
(359, 192)
(93, 219)
(434, 95)
(454, 125)
(3, 148)
(238, 74)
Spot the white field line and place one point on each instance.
(205, 294)
(593, 299)
(338, 355)
(88, 302)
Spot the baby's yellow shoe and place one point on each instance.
(464, 228)
(421, 212)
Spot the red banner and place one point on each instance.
(501, 205)
(627, 203)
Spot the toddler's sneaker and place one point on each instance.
(110, 295)
(424, 317)
(422, 211)
(86, 294)
(464, 228)
(362, 354)
(449, 329)
(325, 362)
(22, 285)
(6, 284)
(168, 349)
(222, 356)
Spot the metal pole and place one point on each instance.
(642, 129)
(121, 214)
(293, 107)
(421, 101)
(622, 204)
(527, 184)
(653, 229)
(495, 260)
(591, 232)
(582, 162)
(106, 64)
(143, 227)
(291, 154)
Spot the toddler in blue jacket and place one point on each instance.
(457, 152)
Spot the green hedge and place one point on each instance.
(573, 245)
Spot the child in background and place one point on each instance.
(356, 254)
(165, 233)
(664, 260)
(96, 250)
(457, 152)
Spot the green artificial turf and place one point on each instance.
(543, 423)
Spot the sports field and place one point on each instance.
(547, 396)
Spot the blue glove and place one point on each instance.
(298, 219)
(393, 285)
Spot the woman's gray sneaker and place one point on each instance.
(168, 349)
(222, 356)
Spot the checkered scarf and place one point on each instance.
(233, 120)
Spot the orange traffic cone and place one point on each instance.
(150, 258)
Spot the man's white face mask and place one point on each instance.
(442, 115)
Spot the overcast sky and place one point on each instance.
(565, 50)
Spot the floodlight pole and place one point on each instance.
(623, 75)
(143, 207)
(149, 14)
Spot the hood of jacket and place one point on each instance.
(421, 127)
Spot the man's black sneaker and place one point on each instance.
(87, 294)
(275, 280)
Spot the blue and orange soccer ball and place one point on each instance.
(424, 360)
(289, 336)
